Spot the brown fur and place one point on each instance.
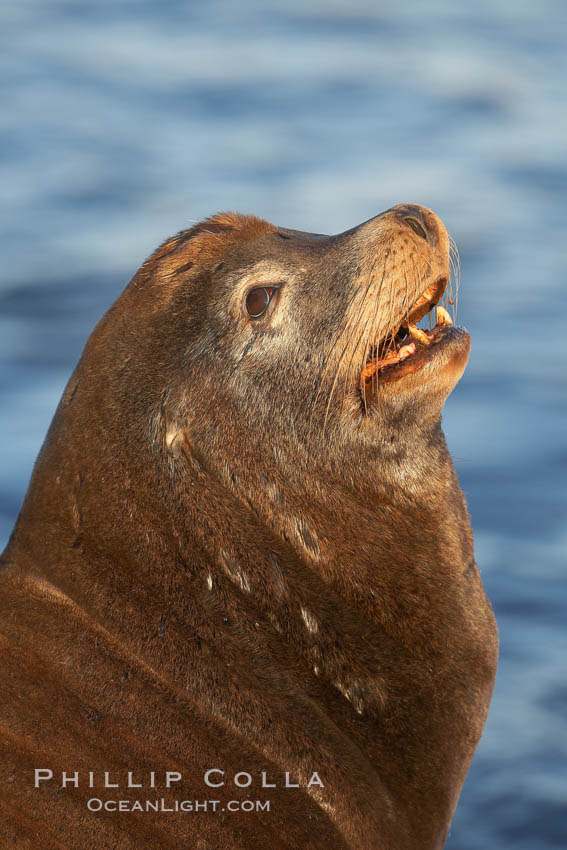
(225, 561)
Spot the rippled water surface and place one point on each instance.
(122, 122)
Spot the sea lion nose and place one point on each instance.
(422, 221)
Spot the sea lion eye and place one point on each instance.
(258, 299)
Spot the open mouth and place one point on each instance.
(409, 348)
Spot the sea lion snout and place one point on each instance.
(423, 221)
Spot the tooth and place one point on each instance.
(418, 334)
(442, 317)
(406, 351)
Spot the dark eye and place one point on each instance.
(258, 299)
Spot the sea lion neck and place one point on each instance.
(317, 497)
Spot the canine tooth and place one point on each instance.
(418, 334)
(442, 317)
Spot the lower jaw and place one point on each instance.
(443, 338)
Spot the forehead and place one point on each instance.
(229, 241)
(279, 253)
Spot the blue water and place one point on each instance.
(122, 122)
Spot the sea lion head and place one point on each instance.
(297, 332)
(239, 343)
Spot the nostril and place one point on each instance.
(422, 221)
(416, 226)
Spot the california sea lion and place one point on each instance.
(244, 550)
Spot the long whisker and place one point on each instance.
(455, 261)
(326, 367)
(371, 334)
(373, 337)
(353, 325)
(362, 310)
